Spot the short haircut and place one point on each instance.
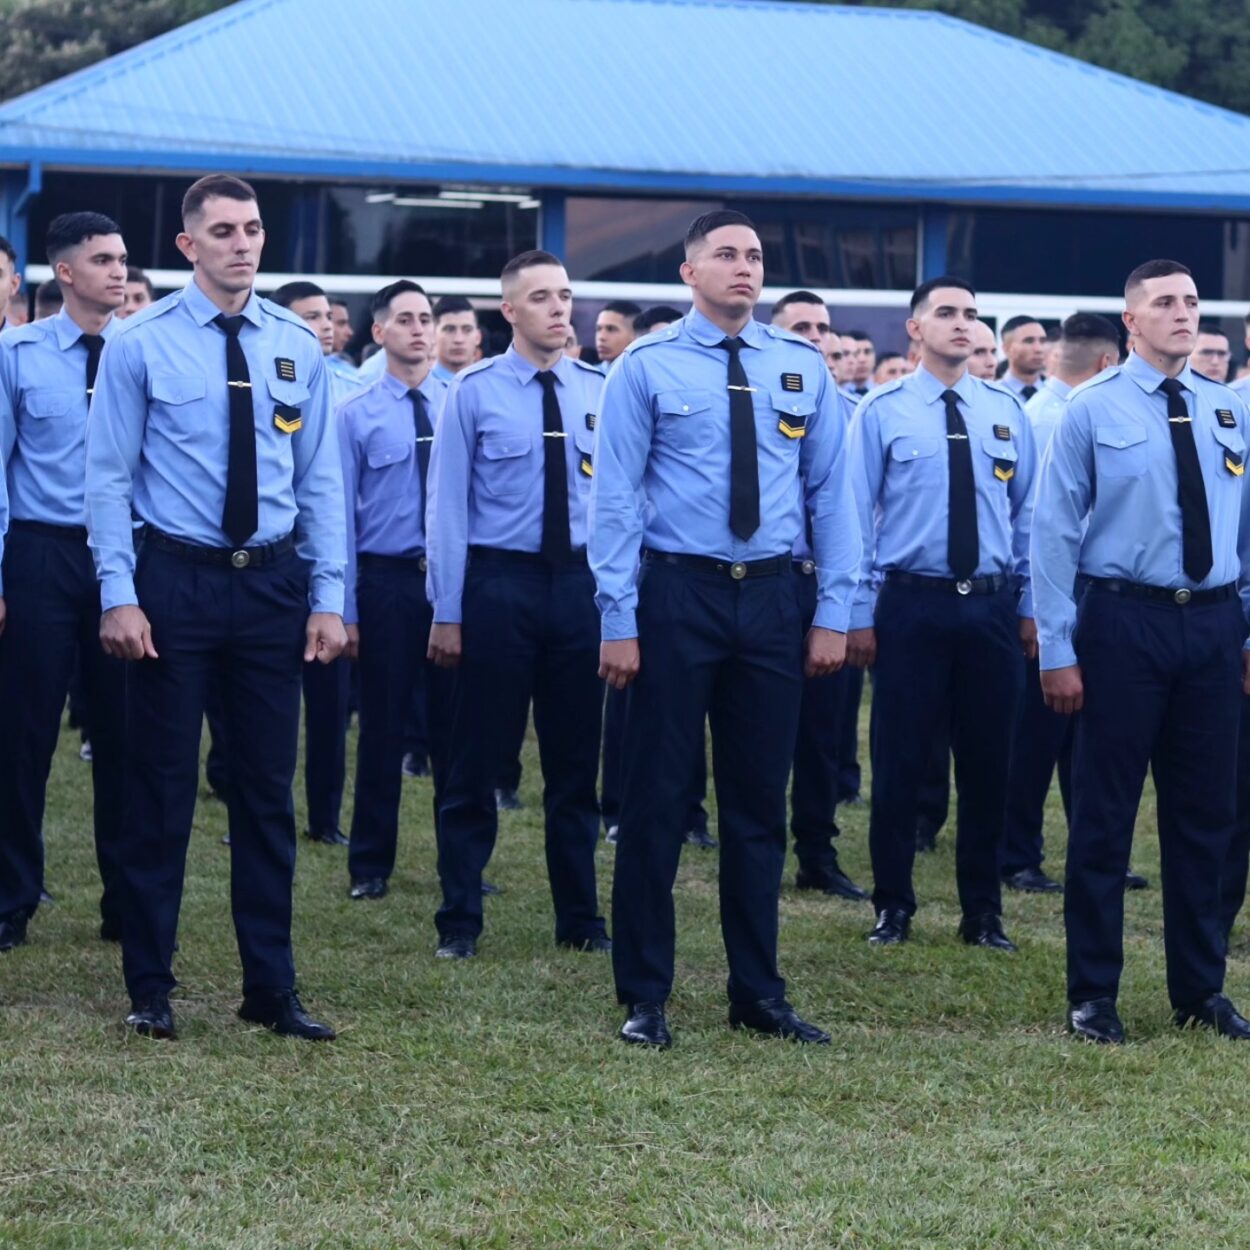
(1014, 323)
(135, 274)
(70, 229)
(920, 296)
(224, 186)
(528, 260)
(48, 294)
(1211, 327)
(623, 308)
(11, 252)
(289, 292)
(860, 336)
(705, 223)
(797, 297)
(1091, 328)
(381, 302)
(337, 301)
(1153, 269)
(885, 356)
(449, 304)
(661, 314)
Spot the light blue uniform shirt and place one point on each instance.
(159, 432)
(43, 420)
(344, 379)
(372, 369)
(442, 373)
(1111, 464)
(1241, 386)
(1016, 386)
(664, 432)
(901, 471)
(803, 547)
(1044, 411)
(486, 473)
(381, 472)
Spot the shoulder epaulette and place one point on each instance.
(1106, 375)
(487, 362)
(667, 335)
(1002, 390)
(31, 332)
(581, 364)
(156, 309)
(285, 314)
(788, 336)
(886, 388)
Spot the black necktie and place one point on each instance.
(94, 344)
(425, 436)
(861, 390)
(744, 469)
(963, 546)
(1028, 392)
(1190, 489)
(241, 516)
(555, 542)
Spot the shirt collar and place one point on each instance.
(1150, 379)
(709, 335)
(1062, 389)
(68, 331)
(526, 371)
(203, 310)
(931, 388)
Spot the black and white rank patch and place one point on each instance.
(791, 381)
(1225, 417)
(285, 368)
(1003, 433)
(591, 420)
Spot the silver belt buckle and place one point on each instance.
(422, 563)
(808, 567)
(240, 559)
(738, 571)
(964, 587)
(1183, 596)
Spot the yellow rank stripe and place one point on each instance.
(1004, 475)
(1234, 468)
(288, 427)
(587, 468)
(792, 431)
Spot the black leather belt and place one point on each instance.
(990, 585)
(723, 568)
(70, 533)
(806, 567)
(228, 557)
(531, 559)
(1164, 594)
(393, 564)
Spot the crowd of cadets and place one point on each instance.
(1036, 544)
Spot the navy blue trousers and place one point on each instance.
(849, 683)
(729, 652)
(53, 603)
(943, 660)
(327, 695)
(242, 630)
(395, 676)
(1237, 866)
(1162, 691)
(814, 782)
(529, 632)
(1040, 739)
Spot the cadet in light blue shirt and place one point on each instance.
(47, 373)
(386, 432)
(944, 468)
(514, 602)
(211, 421)
(719, 434)
(1024, 346)
(457, 337)
(1143, 498)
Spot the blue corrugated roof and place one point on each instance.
(697, 95)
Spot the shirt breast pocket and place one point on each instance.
(584, 442)
(173, 397)
(684, 418)
(1232, 453)
(1120, 451)
(389, 468)
(916, 458)
(506, 467)
(1004, 454)
(789, 414)
(286, 416)
(51, 414)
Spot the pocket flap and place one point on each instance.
(999, 449)
(791, 405)
(682, 403)
(43, 401)
(1119, 435)
(1232, 439)
(903, 449)
(388, 453)
(177, 388)
(293, 393)
(505, 446)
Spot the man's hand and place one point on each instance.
(352, 650)
(825, 652)
(1063, 689)
(1028, 637)
(861, 648)
(324, 637)
(445, 645)
(3, 618)
(619, 662)
(126, 634)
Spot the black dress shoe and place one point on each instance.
(832, 881)
(507, 801)
(612, 834)
(1217, 1013)
(413, 767)
(282, 1012)
(456, 948)
(701, 838)
(367, 887)
(985, 931)
(327, 837)
(893, 926)
(1032, 881)
(152, 1017)
(12, 932)
(489, 889)
(646, 1026)
(1135, 881)
(775, 1018)
(599, 944)
(46, 899)
(1096, 1021)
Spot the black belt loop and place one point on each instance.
(530, 559)
(735, 569)
(1179, 596)
(225, 557)
(67, 533)
(993, 584)
(393, 564)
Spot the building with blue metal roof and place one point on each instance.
(872, 146)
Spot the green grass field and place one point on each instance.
(488, 1104)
